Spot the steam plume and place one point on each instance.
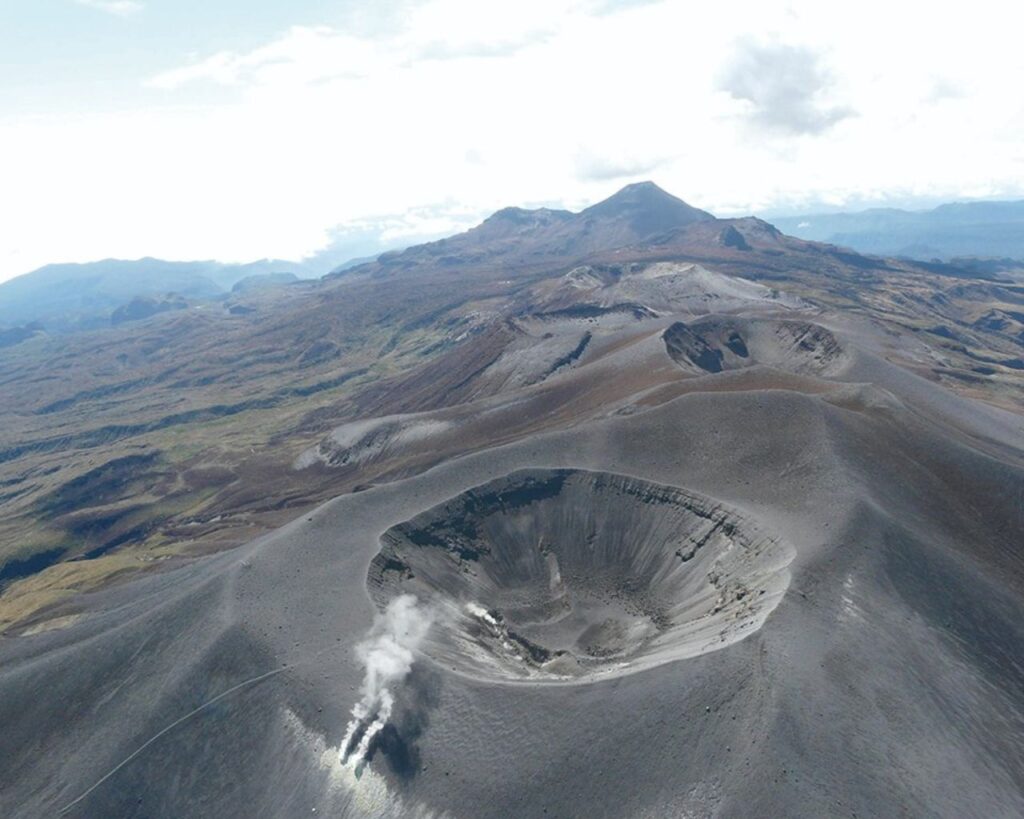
(387, 653)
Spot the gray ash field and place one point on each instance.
(722, 559)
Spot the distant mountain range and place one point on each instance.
(975, 229)
(63, 298)
(66, 297)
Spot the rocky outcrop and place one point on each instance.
(143, 307)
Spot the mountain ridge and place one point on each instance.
(950, 230)
(514, 236)
(70, 296)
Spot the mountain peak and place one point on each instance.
(648, 208)
(646, 186)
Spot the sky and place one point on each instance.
(245, 129)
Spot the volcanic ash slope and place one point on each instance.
(589, 589)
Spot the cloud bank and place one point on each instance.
(785, 86)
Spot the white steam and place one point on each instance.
(481, 613)
(387, 653)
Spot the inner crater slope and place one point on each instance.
(571, 575)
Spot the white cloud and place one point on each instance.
(302, 56)
(620, 165)
(456, 108)
(786, 87)
(121, 8)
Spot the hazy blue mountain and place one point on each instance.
(66, 297)
(987, 229)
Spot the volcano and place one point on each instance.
(626, 512)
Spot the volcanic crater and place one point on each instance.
(570, 576)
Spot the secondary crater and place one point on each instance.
(570, 575)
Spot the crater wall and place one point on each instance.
(571, 575)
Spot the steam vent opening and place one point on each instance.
(570, 575)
